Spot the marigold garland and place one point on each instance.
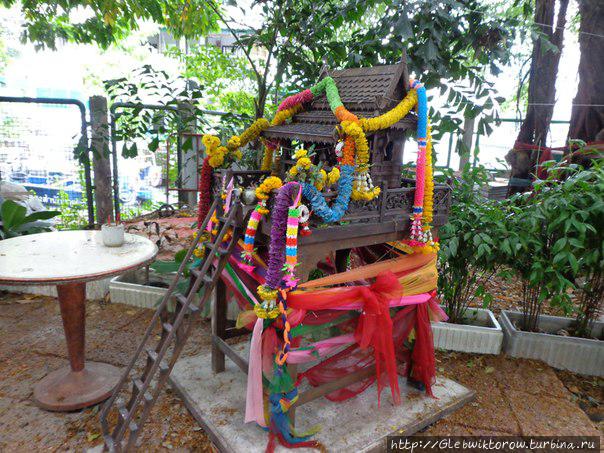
(219, 154)
(205, 191)
(420, 239)
(429, 181)
(340, 205)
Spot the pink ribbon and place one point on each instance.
(254, 405)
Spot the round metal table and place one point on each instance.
(68, 259)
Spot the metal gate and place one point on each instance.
(37, 150)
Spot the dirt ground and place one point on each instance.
(512, 396)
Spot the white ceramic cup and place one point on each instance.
(113, 235)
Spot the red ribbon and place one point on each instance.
(375, 329)
(205, 191)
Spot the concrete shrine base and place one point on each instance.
(217, 401)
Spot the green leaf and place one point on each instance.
(180, 255)
(165, 267)
(574, 264)
(154, 144)
(13, 214)
(41, 215)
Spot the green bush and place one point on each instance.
(553, 240)
(469, 254)
(575, 209)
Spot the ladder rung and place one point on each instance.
(223, 219)
(123, 415)
(133, 427)
(222, 251)
(167, 327)
(153, 356)
(206, 278)
(109, 442)
(208, 244)
(123, 412)
(181, 299)
(139, 386)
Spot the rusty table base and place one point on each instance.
(67, 390)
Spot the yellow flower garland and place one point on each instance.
(391, 117)
(218, 153)
(360, 140)
(304, 165)
(263, 191)
(333, 176)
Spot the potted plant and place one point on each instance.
(467, 260)
(555, 239)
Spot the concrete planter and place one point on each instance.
(482, 334)
(579, 355)
(130, 289)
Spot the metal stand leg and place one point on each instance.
(83, 383)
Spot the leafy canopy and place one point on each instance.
(446, 42)
(105, 23)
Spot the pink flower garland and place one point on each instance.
(299, 98)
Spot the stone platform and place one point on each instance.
(218, 404)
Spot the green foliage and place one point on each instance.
(574, 204)
(446, 42)
(179, 110)
(554, 240)
(108, 22)
(16, 222)
(469, 254)
(73, 213)
(226, 79)
(131, 212)
(551, 238)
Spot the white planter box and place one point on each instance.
(580, 355)
(129, 289)
(483, 336)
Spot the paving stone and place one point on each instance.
(46, 341)
(490, 409)
(529, 376)
(447, 428)
(21, 372)
(109, 316)
(11, 308)
(540, 415)
(24, 427)
(115, 348)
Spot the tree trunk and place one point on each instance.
(587, 119)
(542, 86)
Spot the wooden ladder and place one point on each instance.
(175, 329)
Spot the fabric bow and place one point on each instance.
(375, 328)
